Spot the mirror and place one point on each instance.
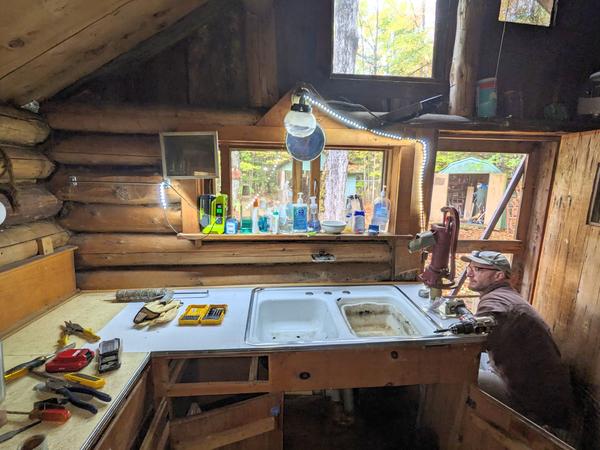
(189, 155)
(530, 12)
(306, 148)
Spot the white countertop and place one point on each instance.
(230, 335)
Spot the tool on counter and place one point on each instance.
(143, 295)
(70, 391)
(109, 355)
(70, 360)
(193, 314)
(157, 312)
(22, 369)
(70, 328)
(11, 434)
(214, 315)
(86, 380)
(46, 412)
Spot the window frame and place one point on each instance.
(442, 42)
(315, 168)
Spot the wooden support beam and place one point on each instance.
(125, 250)
(138, 119)
(532, 222)
(261, 53)
(487, 146)
(465, 57)
(216, 275)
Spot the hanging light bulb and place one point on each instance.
(300, 121)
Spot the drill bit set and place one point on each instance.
(203, 315)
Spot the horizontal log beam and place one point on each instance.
(232, 275)
(127, 118)
(24, 163)
(106, 150)
(467, 246)
(21, 127)
(28, 203)
(106, 250)
(20, 242)
(28, 249)
(28, 232)
(129, 187)
(119, 218)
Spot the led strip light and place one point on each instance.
(354, 124)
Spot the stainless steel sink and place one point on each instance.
(333, 314)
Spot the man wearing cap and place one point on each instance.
(525, 370)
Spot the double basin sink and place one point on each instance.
(317, 315)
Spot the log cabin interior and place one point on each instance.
(149, 162)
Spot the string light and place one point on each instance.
(356, 125)
(163, 196)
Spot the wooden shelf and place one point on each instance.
(199, 237)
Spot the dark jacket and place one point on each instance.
(524, 354)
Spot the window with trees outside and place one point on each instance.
(384, 37)
(337, 174)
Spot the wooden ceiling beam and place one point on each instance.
(117, 31)
(127, 118)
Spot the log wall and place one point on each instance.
(30, 206)
(567, 292)
(109, 183)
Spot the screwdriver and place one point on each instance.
(56, 413)
(11, 434)
(22, 369)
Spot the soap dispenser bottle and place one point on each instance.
(300, 213)
(381, 211)
(313, 223)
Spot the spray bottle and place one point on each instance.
(313, 223)
(285, 209)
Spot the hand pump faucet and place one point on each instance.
(443, 239)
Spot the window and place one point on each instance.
(264, 172)
(384, 37)
(335, 176)
(474, 183)
(345, 173)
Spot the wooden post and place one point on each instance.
(465, 58)
(261, 53)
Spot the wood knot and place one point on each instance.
(16, 43)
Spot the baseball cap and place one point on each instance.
(488, 258)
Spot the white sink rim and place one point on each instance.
(345, 334)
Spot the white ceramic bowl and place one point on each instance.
(333, 226)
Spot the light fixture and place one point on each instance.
(300, 121)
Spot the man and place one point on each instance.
(525, 372)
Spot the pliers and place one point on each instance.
(74, 328)
(70, 391)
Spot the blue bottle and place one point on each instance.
(231, 226)
(300, 213)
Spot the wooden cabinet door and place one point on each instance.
(254, 424)
(490, 424)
